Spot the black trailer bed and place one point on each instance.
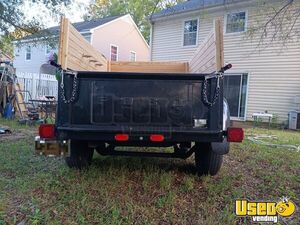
(139, 104)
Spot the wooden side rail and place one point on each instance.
(149, 67)
(209, 56)
(76, 53)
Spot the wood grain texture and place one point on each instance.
(149, 67)
(209, 56)
(19, 102)
(219, 40)
(76, 53)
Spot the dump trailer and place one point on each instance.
(104, 110)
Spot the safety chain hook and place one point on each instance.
(218, 76)
(74, 88)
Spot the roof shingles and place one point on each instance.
(190, 6)
(84, 26)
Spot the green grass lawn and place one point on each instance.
(120, 190)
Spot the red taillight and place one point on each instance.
(47, 131)
(157, 137)
(235, 134)
(121, 137)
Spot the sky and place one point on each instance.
(74, 12)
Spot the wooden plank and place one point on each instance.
(149, 67)
(19, 101)
(85, 44)
(82, 63)
(219, 44)
(63, 43)
(83, 49)
(209, 57)
(76, 53)
(206, 54)
(200, 58)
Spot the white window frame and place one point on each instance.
(239, 73)
(197, 33)
(112, 45)
(246, 22)
(26, 53)
(133, 52)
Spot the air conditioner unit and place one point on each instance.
(294, 120)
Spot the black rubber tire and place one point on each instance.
(207, 161)
(100, 148)
(80, 155)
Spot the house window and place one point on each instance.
(132, 56)
(28, 53)
(190, 32)
(113, 53)
(236, 22)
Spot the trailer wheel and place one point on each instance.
(80, 155)
(207, 161)
(100, 148)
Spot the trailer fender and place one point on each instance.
(222, 148)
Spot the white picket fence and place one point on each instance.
(37, 85)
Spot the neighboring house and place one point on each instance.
(260, 80)
(117, 38)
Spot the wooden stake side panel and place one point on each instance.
(149, 67)
(209, 57)
(204, 59)
(76, 53)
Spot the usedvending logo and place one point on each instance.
(265, 211)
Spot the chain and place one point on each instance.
(74, 89)
(217, 90)
(204, 89)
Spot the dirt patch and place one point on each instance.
(18, 134)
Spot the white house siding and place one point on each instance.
(274, 73)
(167, 41)
(38, 56)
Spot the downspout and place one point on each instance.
(151, 40)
